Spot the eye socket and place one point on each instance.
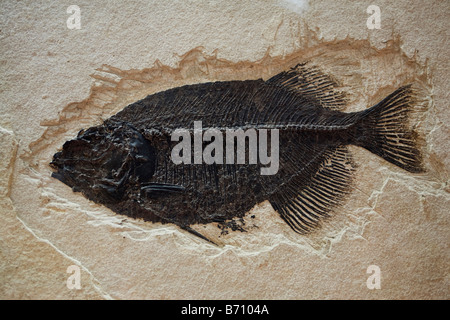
(114, 162)
(144, 171)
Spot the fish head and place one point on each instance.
(106, 163)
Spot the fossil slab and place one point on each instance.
(127, 163)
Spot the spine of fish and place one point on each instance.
(384, 130)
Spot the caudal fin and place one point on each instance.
(384, 130)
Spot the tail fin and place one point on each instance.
(383, 130)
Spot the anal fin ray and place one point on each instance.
(304, 208)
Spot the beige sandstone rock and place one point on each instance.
(56, 81)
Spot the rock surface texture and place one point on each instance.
(57, 80)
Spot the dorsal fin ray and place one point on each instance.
(313, 84)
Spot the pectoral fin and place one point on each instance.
(162, 188)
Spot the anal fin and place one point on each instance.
(304, 209)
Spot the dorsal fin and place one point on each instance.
(303, 206)
(310, 82)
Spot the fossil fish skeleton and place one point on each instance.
(126, 163)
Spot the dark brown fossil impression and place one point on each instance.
(127, 162)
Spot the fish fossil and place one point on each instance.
(126, 163)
